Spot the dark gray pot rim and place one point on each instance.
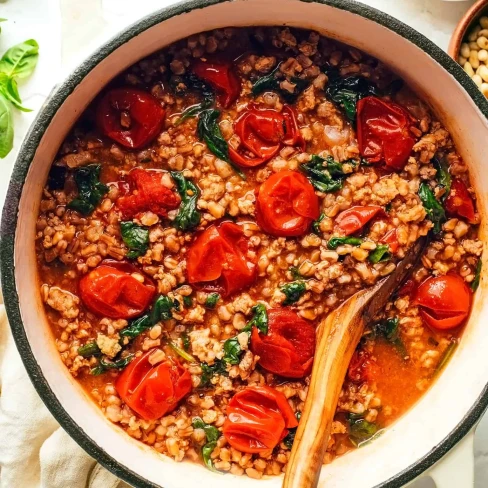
(26, 154)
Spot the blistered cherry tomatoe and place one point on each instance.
(444, 301)
(219, 259)
(288, 347)
(286, 204)
(111, 290)
(257, 419)
(355, 218)
(129, 116)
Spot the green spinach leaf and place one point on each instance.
(181, 352)
(90, 189)
(335, 242)
(89, 349)
(381, 253)
(208, 99)
(136, 238)
(136, 327)
(293, 291)
(211, 432)
(290, 437)
(161, 309)
(443, 176)
(105, 365)
(210, 370)
(360, 430)
(212, 300)
(316, 224)
(326, 178)
(188, 216)
(390, 330)
(435, 211)
(260, 319)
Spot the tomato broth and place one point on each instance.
(213, 205)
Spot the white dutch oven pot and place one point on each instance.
(443, 416)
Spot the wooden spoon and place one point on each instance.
(337, 338)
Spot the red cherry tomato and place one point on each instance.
(384, 132)
(286, 204)
(444, 301)
(288, 347)
(459, 201)
(408, 288)
(262, 132)
(391, 239)
(219, 259)
(351, 220)
(140, 112)
(110, 290)
(257, 419)
(362, 367)
(220, 76)
(153, 390)
(147, 193)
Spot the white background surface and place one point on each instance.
(68, 30)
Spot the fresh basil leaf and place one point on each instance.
(6, 127)
(477, 275)
(435, 211)
(381, 253)
(346, 92)
(293, 291)
(8, 87)
(136, 327)
(135, 237)
(326, 178)
(442, 175)
(360, 430)
(260, 319)
(20, 60)
(188, 216)
(208, 130)
(211, 432)
(335, 242)
(212, 300)
(161, 309)
(89, 349)
(90, 189)
(316, 224)
(104, 365)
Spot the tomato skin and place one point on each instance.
(355, 218)
(146, 117)
(444, 301)
(459, 201)
(288, 347)
(286, 204)
(409, 288)
(218, 259)
(383, 130)
(391, 239)
(362, 367)
(111, 291)
(257, 419)
(262, 131)
(147, 193)
(152, 391)
(221, 77)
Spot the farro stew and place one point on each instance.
(214, 204)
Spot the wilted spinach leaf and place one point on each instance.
(476, 282)
(335, 242)
(325, 178)
(196, 84)
(290, 437)
(360, 430)
(390, 330)
(136, 327)
(89, 349)
(210, 370)
(316, 224)
(260, 319)
(212, 300)
(381, 253)
(90, 189)
(135, 237)
(435, 211)
(105, 365)
(161, 309)
(188, 216)
(293, 291)
(442, 175)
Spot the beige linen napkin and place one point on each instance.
(35, 452)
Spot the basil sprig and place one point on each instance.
(18, 62)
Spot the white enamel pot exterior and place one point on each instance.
(443, 415)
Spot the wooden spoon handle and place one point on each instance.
(337, 339)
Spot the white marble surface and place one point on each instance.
(67, 30)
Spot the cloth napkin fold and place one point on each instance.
(35, 452)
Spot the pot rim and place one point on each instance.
(27, 153)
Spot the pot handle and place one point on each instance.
(456, 468)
